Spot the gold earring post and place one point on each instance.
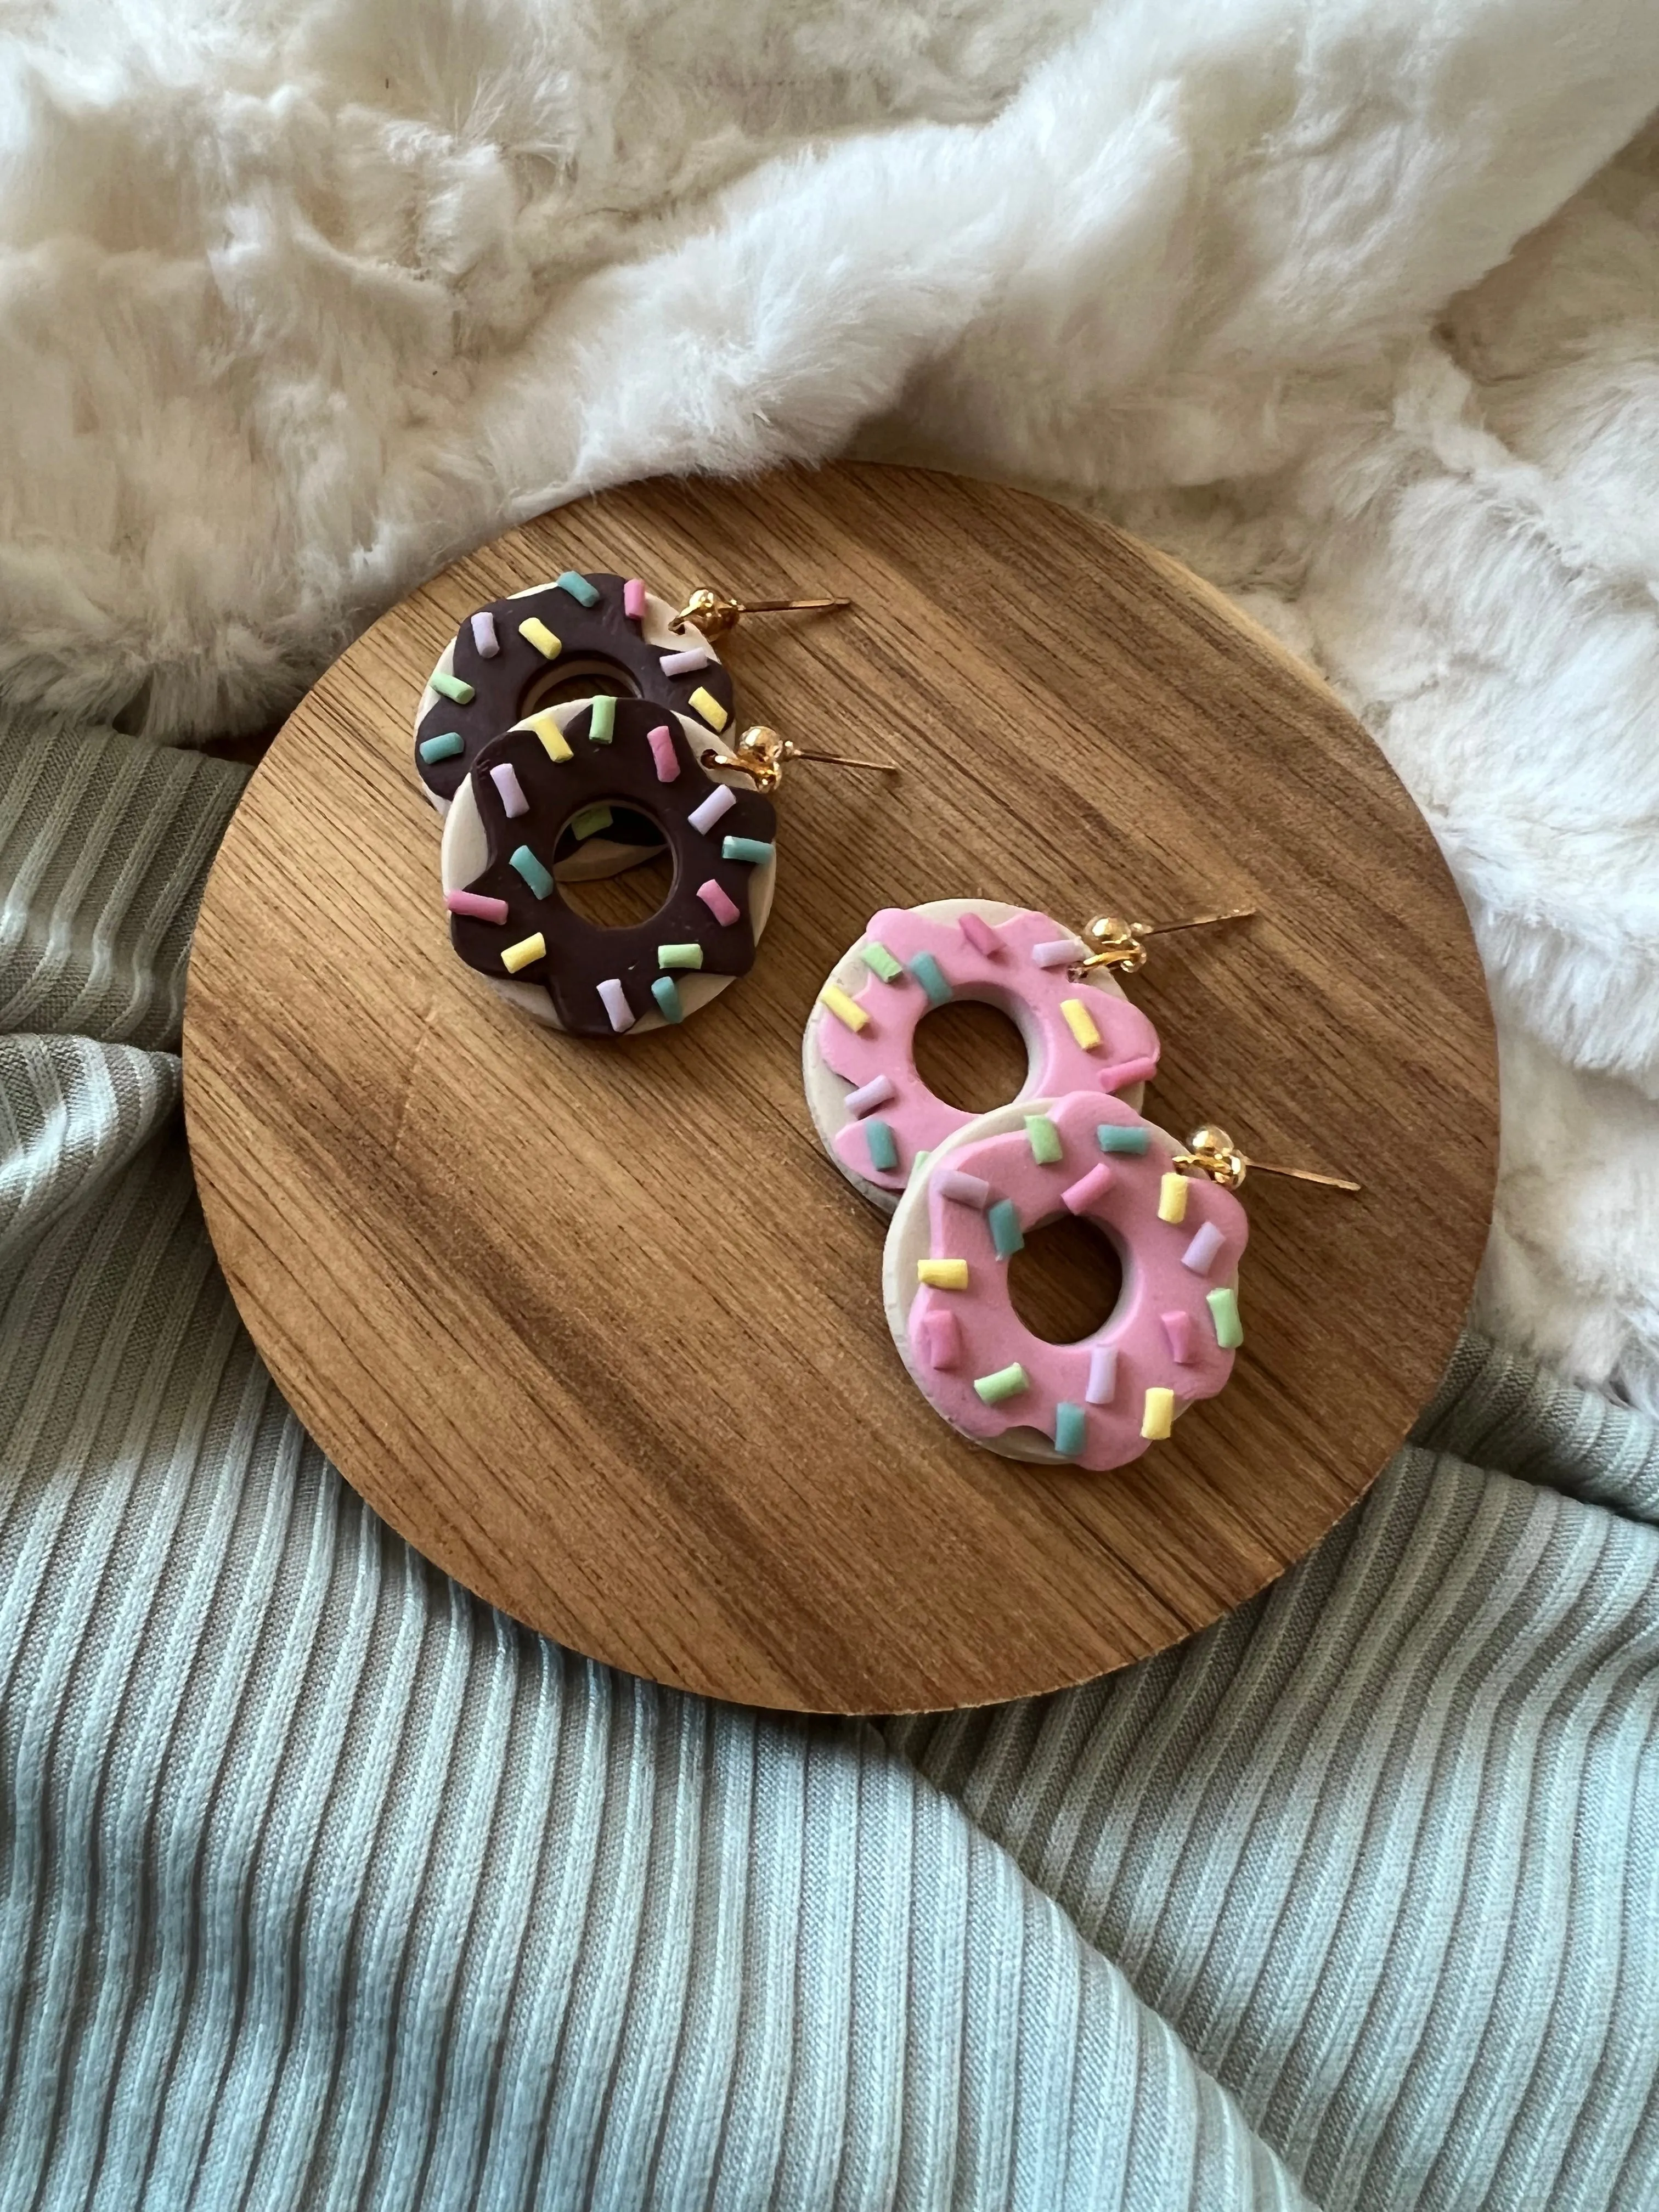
(713, 613)
(762, 753)
(1122, 944)
(1213, 1153)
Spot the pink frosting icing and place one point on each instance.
(1007, 976)
(1163, 1308)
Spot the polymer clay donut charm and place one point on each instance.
(566, 769)
(594, 626)
(1171, 1338)
(867, 1099)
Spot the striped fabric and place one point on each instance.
(321, 1885)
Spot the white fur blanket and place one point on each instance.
(1353, 303)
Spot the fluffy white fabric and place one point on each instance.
(1353, 303)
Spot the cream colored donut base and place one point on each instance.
(908, 1241)
(826, 1092)
(465, 853)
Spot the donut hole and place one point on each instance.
(1066, 1283)
(632, 897)
(971, 1054)
(570, 679)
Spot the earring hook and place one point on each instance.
(713, 613)
(1213, 1153)
(762, 753)
(1122, 944)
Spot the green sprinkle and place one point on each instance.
(753, 849)
(443, 747)
(667, 993)
(524, 862)
(1068, 1429)
(602, 720)
(679, 956)
(919, 1162)
(452, 687)
(1045, 1146)
(1116, 1140)
(883, 1146)
(1003, 1221)
(590, 820)
(1006, 1382)
(877, 957)
(931, 976)
(577, 587)
(1223, 1312)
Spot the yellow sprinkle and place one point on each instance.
(521, 954)
(943, 1274)
(548, 731)
(1080, 1022)
(536, 633)
(709, 707)
(1172, 1198)
(1159, 1416)
(844, 1009)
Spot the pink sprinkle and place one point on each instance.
(1060, 952)
(513, 802)
(718, 803)
(475, 904)
(1200, 1254)
(866, 1099)
(717, 903)
(614, 999)
(661, 742)
(1126, 1071)
(687, 663)
(1178, 1328)
(484, 635)
(1083, 1193)
(1103, 1376)
(966, 1189)
(979, 934)
(944, 1338)
(634, 599)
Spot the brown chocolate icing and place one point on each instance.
(581, 956)
(600, 634)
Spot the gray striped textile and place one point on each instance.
(321, 1885)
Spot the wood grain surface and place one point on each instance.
(598, 1326)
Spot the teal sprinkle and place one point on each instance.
(1006, 1382)
(1223, 1312)
(1116, 1140)
(452, 687)
(1045, 1147)
(883, 1146)
(533, 871)
(667, 993)
(753, 849)
(880, 961)
(1003, 1221)
(1068, 1430)
(602, 720)
(931, 976)
(590, 821)
(577, 587)
(443, 747)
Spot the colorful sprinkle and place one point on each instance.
(932, 977)
(1083, 1193)
(919, 1162)
(634, 598)
(1223, 1312)
(1172, 1197)
(591, 821)
(1157, 1417)
(1124, 1072)
(506, 781)
(1006, 1382)
(1044, 1140)
(476, 906)
(1059, 952)
(880, 1090)
(1102, 1386)
(664, 757)
(527, 949)
(1081, 1023)
(442, 747)
(484, 635)
(452, 687)
(1178, 1329)
(679, 956)
(942, 1336)
(667, 992)
(705, 703)
(602, 720)
(546, 726)
(579, 589)
(1112, 1137)
(943, 1274)
(718, 803)
(755, 850)
(687, 663)
(1069, 1421)
(978, 933)
(880, 961)
(1200, 1254)
(883, 1146)
(1003, 1221)
(964, 1189)
(525, 864)
(536, 632)
(724, 909)
(843, 1007)
(614, 999)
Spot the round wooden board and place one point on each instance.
(599, 1328)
